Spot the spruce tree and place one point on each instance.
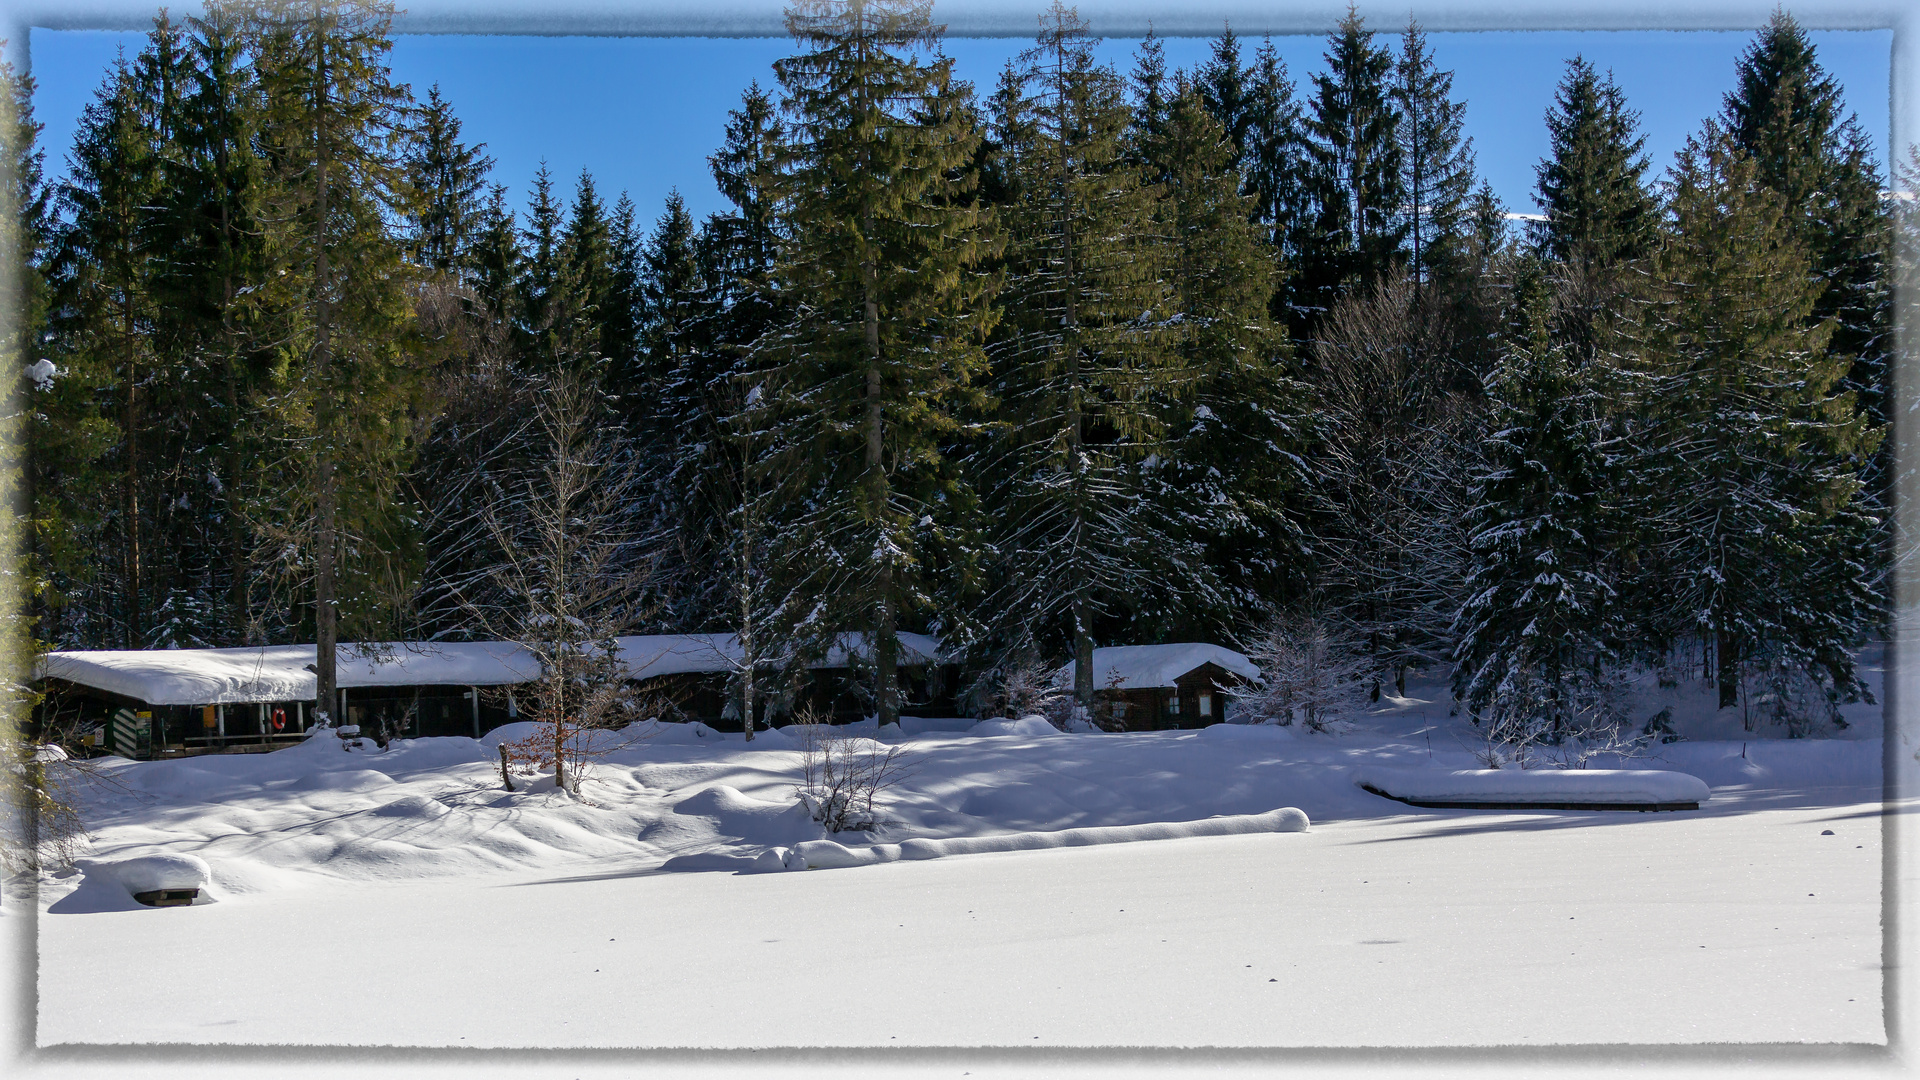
(1277, 178)
(1536, 629)
(878, 260)
(621, 320)
(222, 336)
(1785, 113)
(1591, 185)
(1354, 183)
(1231, 97)
(1082, 359)
(1436, 162)
(1758, 542)
(105, 308)
(587, 260)
(496, 259)
(334, 120)
(447, 177)
(538, 284)
(1232, 468)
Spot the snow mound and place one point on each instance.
(110, 884)
(1246, 732)
(1026, 725)
(772, 739)
(827, 854)
(921, 725)
(1577, 788)
(150, 873)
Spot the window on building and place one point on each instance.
(1206, 704)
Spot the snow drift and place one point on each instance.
(826, 854)
(1558, 788)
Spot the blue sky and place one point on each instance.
(642, 114)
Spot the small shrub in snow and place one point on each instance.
(1024, 688)
(1311, 672)
(1563, 723)
(843, 775)
(1791, 695)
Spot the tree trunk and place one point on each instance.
(1726, 655)
(238, 565)
(325, 624)
(130, 477)
(748, 655)
(884, 644)
(1083, 655)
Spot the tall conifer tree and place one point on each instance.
(1355, 181)
(888, 312)
(335, 121)
(1536, 626)
(1759, 543)
(1785, 112)
(1082, 357)
(1436, 161)
(447, 177)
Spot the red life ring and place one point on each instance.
(279, 719)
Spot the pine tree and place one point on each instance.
(1277, 178)
(496, 260)
(1759, 542)
(1233, 464)
(218, 334)
(1436, 161)
(105, 307)
(888, 311)
(541, 267)
(334, 118)
(1082, 357)
(1355, 178)
(1536, 631)
(447, 177)
(1785, 113)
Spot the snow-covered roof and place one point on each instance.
(280, 672)
(672, 654)
(1139, 667)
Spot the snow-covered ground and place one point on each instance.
(404, 898)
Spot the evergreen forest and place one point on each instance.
(1081, 357)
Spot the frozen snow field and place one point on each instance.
(1397, 931)
(403, 900)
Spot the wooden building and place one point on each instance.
(1154, 687)
(694, 672)
(171, 702)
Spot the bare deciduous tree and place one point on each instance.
(1311, 671)
(1395, 482)
(574, 568)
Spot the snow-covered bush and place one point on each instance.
(1791, 694)
(1564, 722)
(1023, 687)
(1310, 672)
(843, 775)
